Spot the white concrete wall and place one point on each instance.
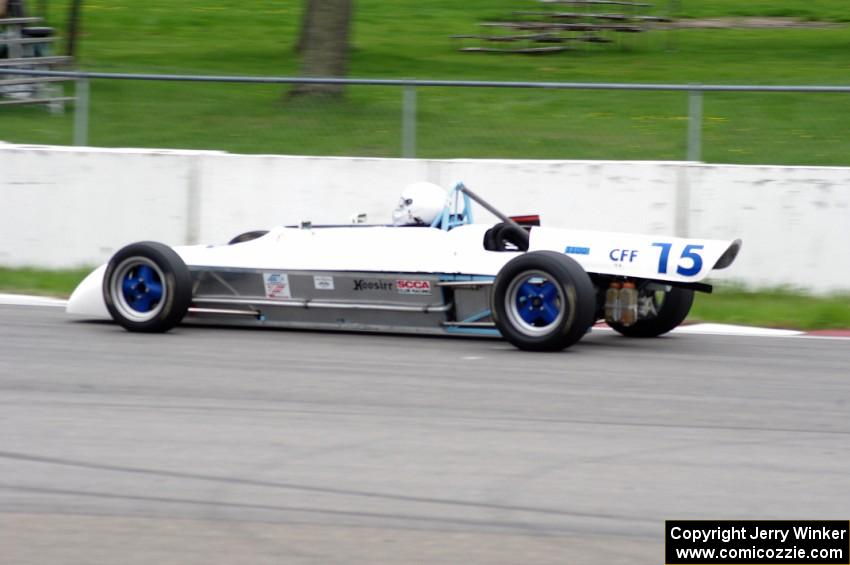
(795, 222)
(62, 207)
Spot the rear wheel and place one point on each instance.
(506, 237)
(671, 308)
(147, 287)
(543, 301)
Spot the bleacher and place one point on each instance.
(25, 43)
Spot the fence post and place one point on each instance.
(694, 125)
(408, 122)
(81, 112)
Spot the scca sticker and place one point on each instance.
(408, 286)
(277, 286)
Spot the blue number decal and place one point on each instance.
(688, 253)
(665, 254)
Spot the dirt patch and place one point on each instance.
(727, 23)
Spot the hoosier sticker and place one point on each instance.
(366, 284)
(409, 286)
(277, 286)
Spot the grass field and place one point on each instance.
(732, 305)
(41, 282)
(406, 39)
(781, 308)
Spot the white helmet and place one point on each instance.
(420, 204)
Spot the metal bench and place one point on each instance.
(19, 21)
(26, 45)
(36, 61)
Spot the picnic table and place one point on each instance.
(598, 2)
(563, 27)
(552, 31)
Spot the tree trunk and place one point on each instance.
(306, 23)
(73, 27)
(324, 44)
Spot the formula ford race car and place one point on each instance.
(540, 288)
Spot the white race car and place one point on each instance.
(439, 273)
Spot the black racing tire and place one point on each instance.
(672, 311)
(247, 236)
(147, 287)
(543, 301)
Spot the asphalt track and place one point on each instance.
(208, 446)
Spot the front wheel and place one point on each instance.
(665, 310)
(147, 287)
(543, 301)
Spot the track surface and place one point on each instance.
(222, 446)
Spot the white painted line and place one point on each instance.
(728, 329)
(24, 300)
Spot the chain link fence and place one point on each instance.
(785, 125)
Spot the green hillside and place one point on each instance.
(406, 39)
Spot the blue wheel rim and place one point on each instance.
(142, 288)
(535, 303)
(138, 289)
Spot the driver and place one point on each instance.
(420, 204)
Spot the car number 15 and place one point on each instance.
(690, 261)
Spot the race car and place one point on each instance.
(432, 271)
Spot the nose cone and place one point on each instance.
(87, 299)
